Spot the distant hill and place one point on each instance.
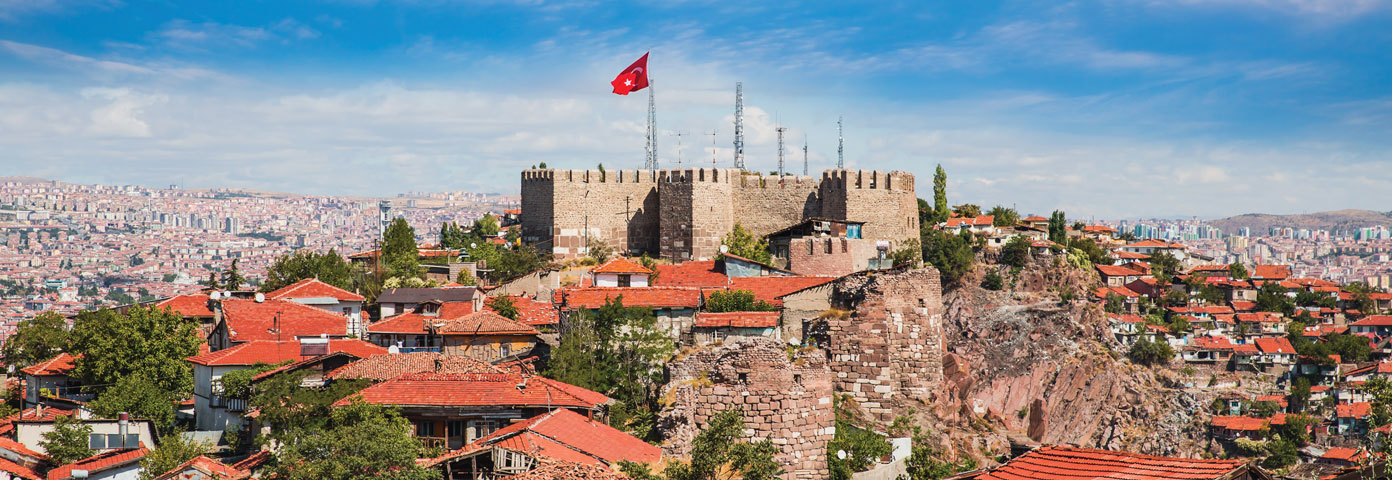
(1260, 223)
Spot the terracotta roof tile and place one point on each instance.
(557, 469)
(49, 413)
(59, 365)
(532, 312)
(195, 305)
(1271, 272)
(1275, 345)
(1353, 410)
(482, 323)
(313, 288)
(770, 288)
(207, 468)
(737, 319)
(1374, 321)
(651, 297)
(389, 366)
(254, 461)
(690, 274)
(583, 434)
(621, 265)
(19, 471)
(272, 352)
(251, 320)
(473, 389)
(99, 462)
(1060, 463)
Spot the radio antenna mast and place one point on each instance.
(712, 134)
(679, 146)
(840, 146)
(804, 155)
(739, 125)
(780, 149)
(651, 163)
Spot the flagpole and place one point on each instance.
(652, 129)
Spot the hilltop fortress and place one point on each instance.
(682, 214)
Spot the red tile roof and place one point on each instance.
(1275, 345)
(455, 309)
(980, 221)
(1353, 410)
(1123, 255)
(1209, 268)
(1242, 306)
(1103, 292)
(1342, 453)
(689, 274)
(272, 352)
(251, 320)
(1068, 463)
(621, 265)
(594, 439)
(19, 471)
(313, 288)
(1212, 343)
(558, 469)
(49, 413)
(59, 365)
(737, 319)
(254, 461)
(481, 323)
(1126, 318)
(1259, 317)
(206, 468)
(389, 366)
(770, 288)
(1374, 321)
(532, 312)
(1270, 272)
(99, 462)
(651, 297)
(9, 444)
(406, 323)
(1156, 244)
(475, 390)
(1239, 423)
(195, 305)
(1116, 271)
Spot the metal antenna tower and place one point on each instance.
(739, 125)
(712, 134)
(651, 163)
(840, 146)
(780, 149)
(679, 146)
(804, 155)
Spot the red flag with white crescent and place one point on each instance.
(633, 78)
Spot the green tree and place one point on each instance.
(173, 451)
(399, 252)
(598, 249)
(992, 281)
(145, 340)
(1146, 352)
(1272, 297)
(1164, 266)
(615, 350)
(139, 396)
(742, 243)
(1004, 217)
(1115, 303)
(909, 253)
(717, 449)
(1283, 454)
(925, 212)
(1300, 394)
(1016, 252)
(360, 442)
(1237, 271)
(328, 267)
(37, 339)
(1095, 253)
(736, 301)
(940, 211)
(951, 254)
(967, 210)
(67, 442)
(232, 278)
(862, 446)
(237, 383)
(1058, 232)
(486, 226)
(294, 412)
(503, 306)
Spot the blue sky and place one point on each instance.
(1108, 108)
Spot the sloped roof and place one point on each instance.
(651, 297)
(1153, 243)
(573, 430)
(484, 322)
(19, 471)
(1271, 272)
(272, 352)
(737, 319)
(696, 273)
(99, 462)
(1275, 345)
(532, 312)
(194, 305)
(389, 366)
(419, 295)
(251, 320)
(32, 413)
(9, 444)
(771, 288)
(621, 265)
(59, 365)
(473, 390)
(314, 288)
(1374, 321)
(1069, 463)
(1353, 410)
(208, 467)
(1116, 271)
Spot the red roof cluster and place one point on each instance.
(313, 288)
(1117, 271)
(979, 221)
(478, 323)
(1374, 321)
(690, 274)
(194, 305)
(651, 297)
(476, 389)
(1353, 410)
(1270, 272)
(251, 320)
(1069, 463)
(272, 352)
(772, 288)
(737, 320)
(386, 367)
(1275, 345)
(59, 365)
(100, 462)
(532, 312)
(580, 440)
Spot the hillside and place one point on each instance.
(1260, 223)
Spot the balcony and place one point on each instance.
(228, 403)
(434, 442)
(418, 349)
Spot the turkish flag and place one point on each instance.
(633, 78)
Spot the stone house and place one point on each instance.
(483, 336)
(731, 326)
(395, 301)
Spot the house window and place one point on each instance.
(425, 428)
(809, 246)
(743, 377)
(504, 349)
(827, 246)
(625, 280)
(455, 428)
(481, 428)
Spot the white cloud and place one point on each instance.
(120, 117)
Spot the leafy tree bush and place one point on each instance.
(359, 442)
(716, 450)
(1271, 297)
(1237, 271)
(1115, 303)
(967, 210)
(37, 339)
(736, 301)
(232, 278)
(1058, 228)
(1095, 254)
(328, 267)
(400, 255)
(1016, 252)
(742, 243)
(173, 451)
(294, 412)
(1146, 352)
(504, 306)
(67, 442)
(598, 249)
(993, 281)
(1283, 454)
(940, 211)
(139, 396)
(1004, 217)
(145, 340)
(951, 254)
(926, 463)
(1164, 266)
(862, 447)
(909, 253)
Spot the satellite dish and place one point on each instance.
(215, 295)
(260, 297)
(473, 245)
(841, 454)
(724, 249)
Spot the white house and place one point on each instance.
(620, 272)
(329, 298)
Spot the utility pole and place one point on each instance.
(804, 155)
(780, 149)
(739, 125)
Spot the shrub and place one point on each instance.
(993, 281)
(1146, 352)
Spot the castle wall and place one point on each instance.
(619, 207)
(684, 214)
(788, 401)
(890, 346)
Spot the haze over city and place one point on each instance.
(1106, 109)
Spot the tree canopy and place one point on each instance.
(358, 442)
(150, 341)
(37, 339)
(328, 267)
(294, 412)
(736, 301)
(140, 396)
(1016, 252)
(951, 254)
(173, 451)
(718, 449)
(1058, 232)
(1004, 217)
(742, 243)
(1237, 271)
(400, 256)
(940, 211)
(67, 442)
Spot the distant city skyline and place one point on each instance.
(1110, 109)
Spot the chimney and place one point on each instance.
(123, 419)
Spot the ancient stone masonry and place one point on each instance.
(886, 344)
(683, 214)
(787, 401)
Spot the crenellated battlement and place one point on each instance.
(588, 176)
(868, 180)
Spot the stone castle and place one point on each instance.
(682, 214)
